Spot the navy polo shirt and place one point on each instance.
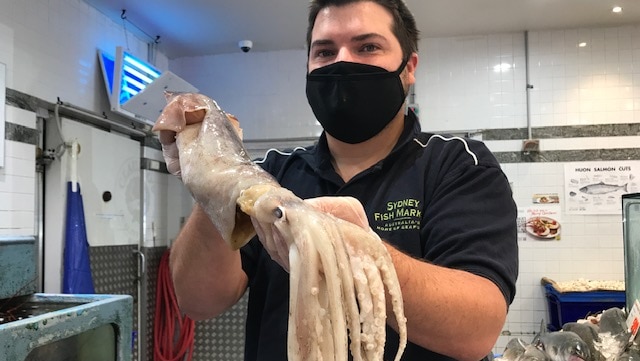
(440, 198)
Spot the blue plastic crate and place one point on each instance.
(572, 306)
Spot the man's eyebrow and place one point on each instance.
(321, 42)
(357, 38)
(367, 36)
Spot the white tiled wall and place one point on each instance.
(595, 84)
(459, 86)
(266, 91)
(469, 83)
(18, 180)
(50, 48)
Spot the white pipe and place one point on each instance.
(73, 174)
(101, 119)
(529, 86)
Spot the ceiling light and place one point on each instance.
(617, 9)
(582, 44)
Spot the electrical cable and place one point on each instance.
(61, 148)
(173, 332)
(124, 26)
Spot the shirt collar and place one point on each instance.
(321, 160)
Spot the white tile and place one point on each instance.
(20, 117)
(16, 231)
(504, 145)
(19, 150)
(16, 184)
(19, 167)
(11, 201)
(17, 219)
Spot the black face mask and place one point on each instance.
(352, 101)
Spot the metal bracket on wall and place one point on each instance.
(530, 146)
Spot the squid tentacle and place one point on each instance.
(349, 294)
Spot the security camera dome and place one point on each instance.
(245, 45)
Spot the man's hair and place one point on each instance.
(404, 24)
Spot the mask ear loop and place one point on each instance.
(405, 61)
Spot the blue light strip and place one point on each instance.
(129, 92)
(129, 70)
(136, 75)
(133, 83)
(141, 65)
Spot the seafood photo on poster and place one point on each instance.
(540, 223)
(545, 198)
(597, 187)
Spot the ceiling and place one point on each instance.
(208, 27)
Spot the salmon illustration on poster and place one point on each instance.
(597, 187)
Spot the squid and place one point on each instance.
(340, 274)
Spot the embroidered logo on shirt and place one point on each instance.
(399, 215)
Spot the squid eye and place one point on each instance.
(278, 212)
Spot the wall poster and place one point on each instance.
(597, 187)
(540, 222)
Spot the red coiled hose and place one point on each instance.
(169, 320)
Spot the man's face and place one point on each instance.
(359, 32)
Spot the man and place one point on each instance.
(442, 205)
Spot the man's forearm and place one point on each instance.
(207, 274)
(448, 311)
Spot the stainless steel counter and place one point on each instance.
(66, 327)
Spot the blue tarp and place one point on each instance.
(77, 269)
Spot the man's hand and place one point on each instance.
(179, 114)
(168, 137)
(346, 208)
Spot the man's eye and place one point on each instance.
(369, 48)
(324, 53)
